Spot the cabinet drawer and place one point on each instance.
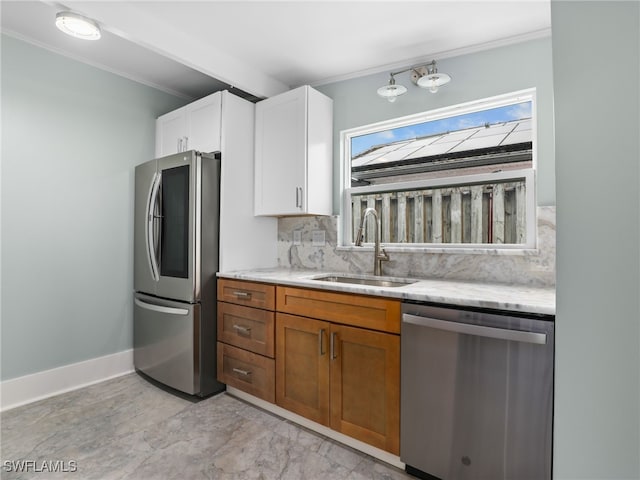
(249, 294)
(246, 371)
(350, 309)
(246, 327)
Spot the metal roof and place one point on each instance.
(469, 139)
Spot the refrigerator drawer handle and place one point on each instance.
(161, 309)
(477, 330)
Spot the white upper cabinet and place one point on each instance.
(193, 127)
(225, 123)
(293, 154)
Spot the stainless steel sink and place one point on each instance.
(364, 280)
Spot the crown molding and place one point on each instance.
(544, 33)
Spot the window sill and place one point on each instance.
(451, 250)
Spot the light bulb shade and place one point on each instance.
(392, 91)
(78, 26)
(433, 81)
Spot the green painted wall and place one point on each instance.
(474, 76)
(71, 135)
(596, 64)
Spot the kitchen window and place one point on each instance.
(456, 177)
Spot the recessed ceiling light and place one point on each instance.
(78, 26)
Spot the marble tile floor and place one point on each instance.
(128, 428)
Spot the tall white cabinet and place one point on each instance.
(196, 126)
(224, 123)
(293, 158)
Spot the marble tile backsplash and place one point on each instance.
(523, 267)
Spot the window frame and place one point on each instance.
(529, 175)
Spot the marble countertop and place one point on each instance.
(514, 298)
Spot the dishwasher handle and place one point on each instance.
(477, 330)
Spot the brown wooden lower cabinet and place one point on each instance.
(365, 386)
(246, 337)
(343, 377)
(247, 328)
(247, 371)
(302, 366)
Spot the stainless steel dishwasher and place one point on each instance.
(476, 393)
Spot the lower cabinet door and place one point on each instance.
(302, 366)
(346, 378)
(365, 386)
(246, 371)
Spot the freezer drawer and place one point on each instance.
(166, 341)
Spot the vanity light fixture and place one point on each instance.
(78, 25)
(391, 91)
(432, 80)
(424, 76)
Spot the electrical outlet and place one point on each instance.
(297, 237)
(317, 238)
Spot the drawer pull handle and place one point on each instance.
(242, 330)
(321, 341)
(244, 373)
(240, 294)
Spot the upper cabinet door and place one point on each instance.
(293, 154)
(281, 139)
(203, 124)
(196, 126)
(170, 130)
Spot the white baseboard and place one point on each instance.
(375, 452)
(31, 388)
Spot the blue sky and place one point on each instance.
(450, 124)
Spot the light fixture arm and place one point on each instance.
(393, 74)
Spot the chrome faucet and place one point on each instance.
(379, 255)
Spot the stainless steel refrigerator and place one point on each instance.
(176, 234)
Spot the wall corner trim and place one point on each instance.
(19, 391)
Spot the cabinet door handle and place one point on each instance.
(321, 341)
(241, 329)
(179, 145)
(245, 295)
(299, 197)
(333, 345)
(239, 371)
(186, 144)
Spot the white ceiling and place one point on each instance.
(265, 47)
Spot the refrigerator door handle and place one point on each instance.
(150, 230)
(160, 308)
